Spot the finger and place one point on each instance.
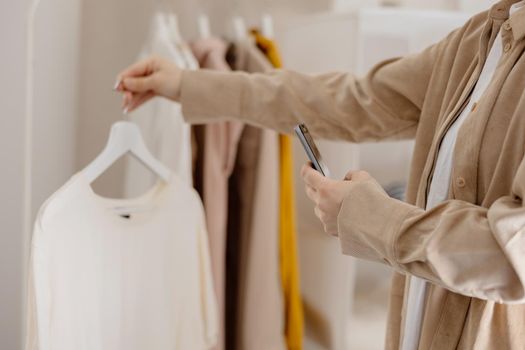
(312, 177)
(138, 69)
(139, 100)
(118, 85)
(126, 99)
(312, 193)
(317, 212)
(138, 85)
(305, 167)
(311, 188)
(332, 230)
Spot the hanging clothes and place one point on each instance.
(289, 259)
(104, 278)
(217, 145)
(161, 122)
(256, 297)
(241, 200)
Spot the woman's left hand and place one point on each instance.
(328, 195)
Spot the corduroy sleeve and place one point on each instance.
(385, 104)
(468, 249)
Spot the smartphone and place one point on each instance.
(311, 149)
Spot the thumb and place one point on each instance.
(139, 84)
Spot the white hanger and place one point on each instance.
(239, 28)
(267, 26)
(125, 137)
(204, 26)
(173, 24)
(161, 28)
(188, 59)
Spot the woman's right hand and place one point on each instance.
(153, 76)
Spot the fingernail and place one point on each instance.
(117, 84)
(125, 110)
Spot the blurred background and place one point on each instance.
(59, 61)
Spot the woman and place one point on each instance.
(458, 243)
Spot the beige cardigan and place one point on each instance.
(472, 247)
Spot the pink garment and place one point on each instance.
(218, 143)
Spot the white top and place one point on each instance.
(439, 189)
(101, 281)
(165, 132)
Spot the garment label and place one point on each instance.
(126, 212)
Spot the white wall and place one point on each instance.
(474, 6)
(12, 127)
(56, 46)
(432, 4)
(53, 133)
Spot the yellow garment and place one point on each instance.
(289, 263)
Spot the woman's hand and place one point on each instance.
(153, 76)
(328, 195)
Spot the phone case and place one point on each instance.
(311, 149)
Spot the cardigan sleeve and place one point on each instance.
(468, 249)
(385, 104)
